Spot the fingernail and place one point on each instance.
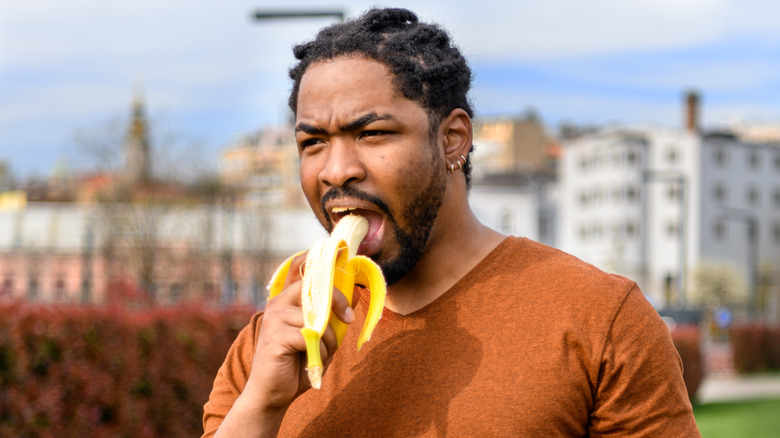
(349, 315)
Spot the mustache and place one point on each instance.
(352, 193)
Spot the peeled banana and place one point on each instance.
(333, 262)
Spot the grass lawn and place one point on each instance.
(754, 419)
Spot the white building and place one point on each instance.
(518, 204)
(653, 204)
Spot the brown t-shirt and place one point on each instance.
(531, 342)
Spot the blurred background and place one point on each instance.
(148, 176)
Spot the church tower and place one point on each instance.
(137, 168)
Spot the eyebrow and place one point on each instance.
(362, 121)
(308, 129)
(356, 124)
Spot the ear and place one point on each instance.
(456, 132)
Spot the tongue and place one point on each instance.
(374, 234)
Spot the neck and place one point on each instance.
(458, 242)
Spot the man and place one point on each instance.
(482, 334)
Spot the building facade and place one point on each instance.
(82, 253)
(656, 204)
(506, 144)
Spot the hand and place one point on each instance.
(279, 368)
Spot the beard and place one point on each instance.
(419, 213)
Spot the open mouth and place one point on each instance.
(370, 243)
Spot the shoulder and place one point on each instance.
(546, 268)
(238, 361)
(232, 376)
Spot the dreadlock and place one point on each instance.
(426, 66)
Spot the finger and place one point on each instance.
(290, 295)
(325, 353)
(341, 307)
(296, 270)
(305, 383)
(290, 315)
(329, 342)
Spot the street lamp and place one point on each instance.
(291, 13)
(266, 15)
(752, 262)
(682, 181)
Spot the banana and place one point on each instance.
(333, 262)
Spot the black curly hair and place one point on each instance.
(426, 65)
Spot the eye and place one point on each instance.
(309, 142)
(372, 133)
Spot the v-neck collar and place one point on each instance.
(463, 283)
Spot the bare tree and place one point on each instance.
(132, 209)
(7, 180)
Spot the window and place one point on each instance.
(8, 287)
(86, 291)
(583, 198)
(720, 230)
(674, 192)
(776, 232)
(175, 292)
(672, 155)
(754, 158)
(632, 157)
(632, 194)
(32, 291)
(232, 292)
(673, 228)
(507, 220)
(721, 156)
(583, 164)
(754, 196)
(720, 192)
(59, 289)
(544, 226)
(632, 229)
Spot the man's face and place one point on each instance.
(365, 148)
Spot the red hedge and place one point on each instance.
(687, 341)
(108, 372)
(756, 347)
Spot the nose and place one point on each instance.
(343, 164)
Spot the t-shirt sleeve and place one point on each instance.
(640, 389)
(231, 377)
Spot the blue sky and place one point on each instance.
(210, 74)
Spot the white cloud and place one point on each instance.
(721, 74)
(78, 60)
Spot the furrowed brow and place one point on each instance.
(309, 129)
(362, 121)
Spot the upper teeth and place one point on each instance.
(342, 209)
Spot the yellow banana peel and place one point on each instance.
(333, 262)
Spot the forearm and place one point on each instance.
(246, 420)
